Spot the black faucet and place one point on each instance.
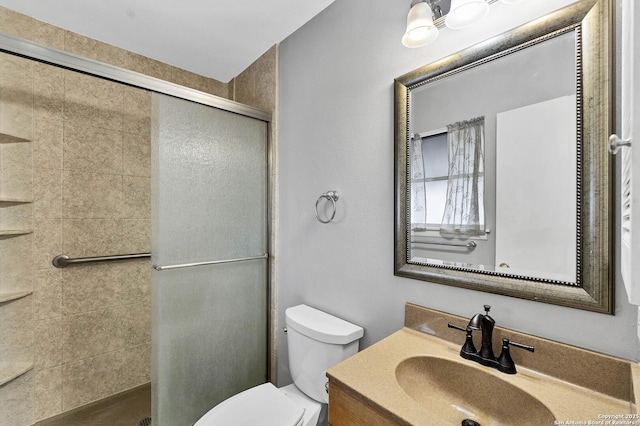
(485, 355)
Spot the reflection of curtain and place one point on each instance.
(418, 190)
(465, 186)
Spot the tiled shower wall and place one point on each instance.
(86, 173)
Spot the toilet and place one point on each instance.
(316, 341)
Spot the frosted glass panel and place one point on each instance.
(209, 203)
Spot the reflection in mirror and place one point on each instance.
(531, 181)
(502, 174)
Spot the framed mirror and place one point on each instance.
(503, 181)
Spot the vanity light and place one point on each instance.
(464, 13)
(420, 27)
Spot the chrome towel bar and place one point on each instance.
(470, 245)
(62, 260)
(212, 262)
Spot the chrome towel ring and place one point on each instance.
(330, 196)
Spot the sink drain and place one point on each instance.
(469, 422)
(144, 422)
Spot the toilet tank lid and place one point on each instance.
(322, 326)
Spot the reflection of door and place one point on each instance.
(536, 157)
(209, 204)
(630, 125)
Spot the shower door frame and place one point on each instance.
(59, 58)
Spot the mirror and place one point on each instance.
(503, 180)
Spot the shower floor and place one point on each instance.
(125, 409)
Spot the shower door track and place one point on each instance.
(59, 58)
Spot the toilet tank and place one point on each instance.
(317, 341)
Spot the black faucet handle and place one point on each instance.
(519, 345)
(457, 327)
(487, 308)
(468, 350)
(505, 362)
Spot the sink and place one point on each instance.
(455, 391)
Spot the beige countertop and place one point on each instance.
(371, 374)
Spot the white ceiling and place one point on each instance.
(214, 38)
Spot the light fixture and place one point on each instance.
(420, 27)
(464, 13)
(511, 1)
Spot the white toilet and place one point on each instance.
(316, 341)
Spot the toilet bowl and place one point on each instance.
(315, 342)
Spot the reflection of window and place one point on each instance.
(429, 175)
(447, 180)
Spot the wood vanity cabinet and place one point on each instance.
(348, 408)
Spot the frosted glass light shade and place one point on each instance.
(420, 27)
(511, 1)
(464, 13)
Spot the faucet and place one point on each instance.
(485, 355)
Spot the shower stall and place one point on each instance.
(97, 161)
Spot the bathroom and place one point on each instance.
(333, 129)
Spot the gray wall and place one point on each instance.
(336, 132)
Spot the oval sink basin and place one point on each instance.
(455, 391)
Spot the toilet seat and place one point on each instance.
(261, 405)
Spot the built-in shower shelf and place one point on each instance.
(8, 297)
(8, 201)
(5, 138)
(14, 232)
(12, 370)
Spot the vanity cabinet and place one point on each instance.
(347, 408)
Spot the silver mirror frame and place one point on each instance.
(594, 289)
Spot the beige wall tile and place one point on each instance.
(137, 111)
(189, 79)
(15, 23)
(92, 237)
(90, 379)
(92, 149)
(93, 102)
(16, 401)
(136, 154)
(91, 334)
(148, 66)
(47, 144)
(16, 82)
(47, 193)
(136, 281)
(48, 92)
(136, 366)
(91, 287)
(135, 235)
(48, 343)
(47, 34)
(47, 393)
(16, 216)
(257, 85)
(79, 45)
(47, 294)
(16, 333)
(16, 263)
(137, 197)
(91, 195)
(136, 322)
(47, 243)
(17, 170)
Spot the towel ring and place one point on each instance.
(331, 196)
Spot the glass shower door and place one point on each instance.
(209, 205)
